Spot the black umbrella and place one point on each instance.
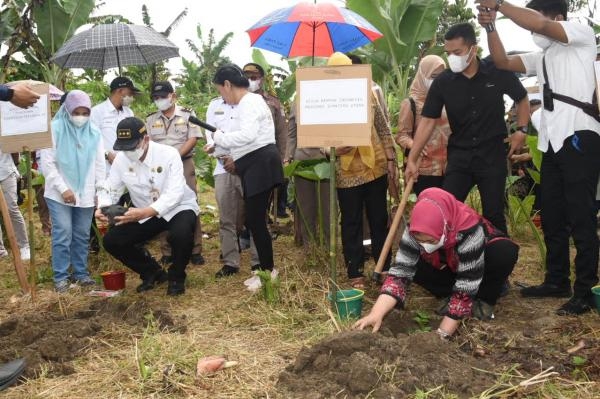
(113, 46)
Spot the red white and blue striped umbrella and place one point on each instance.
(316, 30)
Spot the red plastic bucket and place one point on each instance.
(113, 280)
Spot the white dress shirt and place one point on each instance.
(106, 118)
(222, 116)
(56, 184)
(155, 182)
(570, 68)
(7, 166)
(255, 127)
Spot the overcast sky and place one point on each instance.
(238, 15)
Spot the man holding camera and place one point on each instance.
(568, 137)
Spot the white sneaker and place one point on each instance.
(253, 284)
(3, 253)
(25, 253)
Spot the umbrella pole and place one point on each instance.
(313, 43)
(118, 61)
(332, 229)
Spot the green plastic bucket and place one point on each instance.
(348, 303)
(596, 292)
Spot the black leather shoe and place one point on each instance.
(10, 372)
(166, 260)
(576, 306)
(157, 278)
(197, 259)
(546, 290)
(176, 288)
(226, 271)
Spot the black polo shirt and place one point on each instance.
(475, 107)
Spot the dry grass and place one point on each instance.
(124, 361)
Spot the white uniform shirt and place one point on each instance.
(570, 68)
(56, 184)
(256, 128)
(223, 117)
(106, 118)
(156, 182)
(7, 166)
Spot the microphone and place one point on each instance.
(202, 124)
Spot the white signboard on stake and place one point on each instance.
(15, 120)
(333, 102)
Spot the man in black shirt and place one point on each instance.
(472, 91)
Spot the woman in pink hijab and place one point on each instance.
(433, 161)
(451, 251)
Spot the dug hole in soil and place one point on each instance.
(398, 360)
(50, 340)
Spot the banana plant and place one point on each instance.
(405, 25)
(38, 29)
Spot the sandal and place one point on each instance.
(358, 283)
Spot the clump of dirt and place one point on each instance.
(51, 340)
(401, 359)
(354, 363)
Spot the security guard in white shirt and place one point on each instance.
(107, 115)
(153, 175)
(170, 126)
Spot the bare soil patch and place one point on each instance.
(51, 340)
(400, 360)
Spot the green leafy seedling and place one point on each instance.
(578, 361)
(422, 319)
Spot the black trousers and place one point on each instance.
(500, 257)
(282, 197)
(256, 222)
(372, 197)
(490, 178)
(120, 241)
(568, 179)
(426, 182)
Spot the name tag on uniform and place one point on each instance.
(219, 112)
(180, 121)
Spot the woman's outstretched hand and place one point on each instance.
(369, 320)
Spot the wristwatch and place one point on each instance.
(524, 129)
(498, 4)
(11, 93)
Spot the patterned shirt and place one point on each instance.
(434, 164)
(381, 139)
(466, 260)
